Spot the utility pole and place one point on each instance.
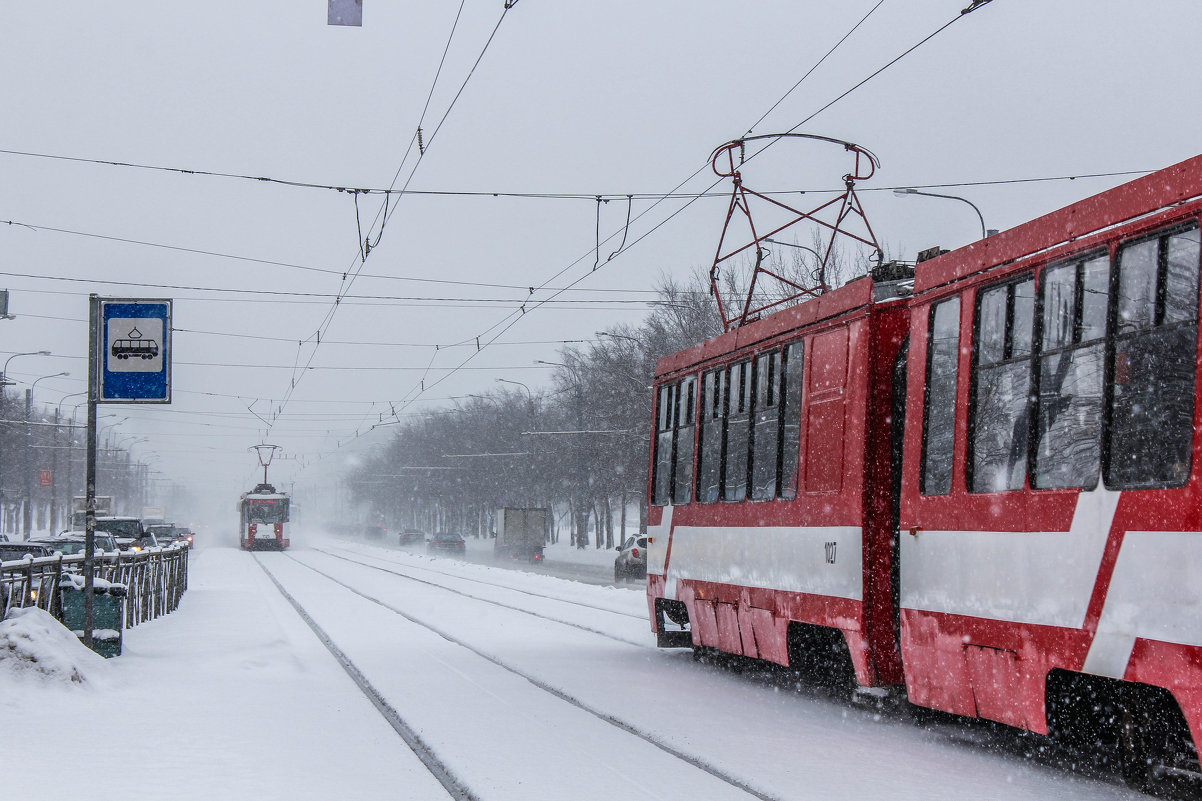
(54, 476)
(89, 609)
(27, 502)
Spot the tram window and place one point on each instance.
(791, 380)
(665, 414)
(1002, 387)
(738, 431)
(765, 438)
(940, 402)
(713, 418)
(1068, 448)
(1152, 399)
(682, 491)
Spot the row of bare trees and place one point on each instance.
(579, 447)
(42, 464)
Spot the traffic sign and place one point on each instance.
(134, 351)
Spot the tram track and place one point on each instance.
(589, 629)
(973, 734)
(446, 776)
(491, 584)
(441, 772)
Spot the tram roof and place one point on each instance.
(850, 296)
(1123, 203)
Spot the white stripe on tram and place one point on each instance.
(819, 560)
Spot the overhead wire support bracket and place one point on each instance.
(846, 208)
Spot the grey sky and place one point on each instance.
(615, 98)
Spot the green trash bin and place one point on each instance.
(108, 612)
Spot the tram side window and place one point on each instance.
(765, 439)
(1002, 387)
(713, 419)
(682, 491)
(940, 403)
(738, 431)
(792, 378)
(1068, 448)
(1152, 400)
(664, 425)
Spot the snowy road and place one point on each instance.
(516, 686)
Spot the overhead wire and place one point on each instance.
(541, 303)
(354, 273)
(512, 319)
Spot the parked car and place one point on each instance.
(631, 561)
(446, 542)
(411, 536)
(164, 533)
(72, 542)
(128, 532)
(15, 551)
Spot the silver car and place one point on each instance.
(631, 562)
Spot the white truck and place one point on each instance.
(79, 508)
(521, 533)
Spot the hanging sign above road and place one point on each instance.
(345, 12)
(133, 357)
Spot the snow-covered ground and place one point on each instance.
(524, 686)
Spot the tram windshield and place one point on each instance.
(266, 510)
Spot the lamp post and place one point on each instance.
(981, 217)
(638, 383)
(120, 467)
(27, 502)
(582, 512)
(54, 462)
(71, 440)
(530, 414)
(4, 382)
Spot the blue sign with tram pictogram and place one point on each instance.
(135, 351)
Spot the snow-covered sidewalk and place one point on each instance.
(233, 697)
(229, 697)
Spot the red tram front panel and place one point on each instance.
(800, 541)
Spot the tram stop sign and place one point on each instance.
(134, 351)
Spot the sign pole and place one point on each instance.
(90, 479)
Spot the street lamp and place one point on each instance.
(27, 502)
(520, 384)
(984, 232)
(637, 342)
(4, 373)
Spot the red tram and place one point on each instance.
(985, 491)
(262, 513)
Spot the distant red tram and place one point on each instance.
(262, 513)
(984, 489)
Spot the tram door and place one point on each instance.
(897, 432)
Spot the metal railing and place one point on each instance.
(154, 579)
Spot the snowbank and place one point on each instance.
(33, 643)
